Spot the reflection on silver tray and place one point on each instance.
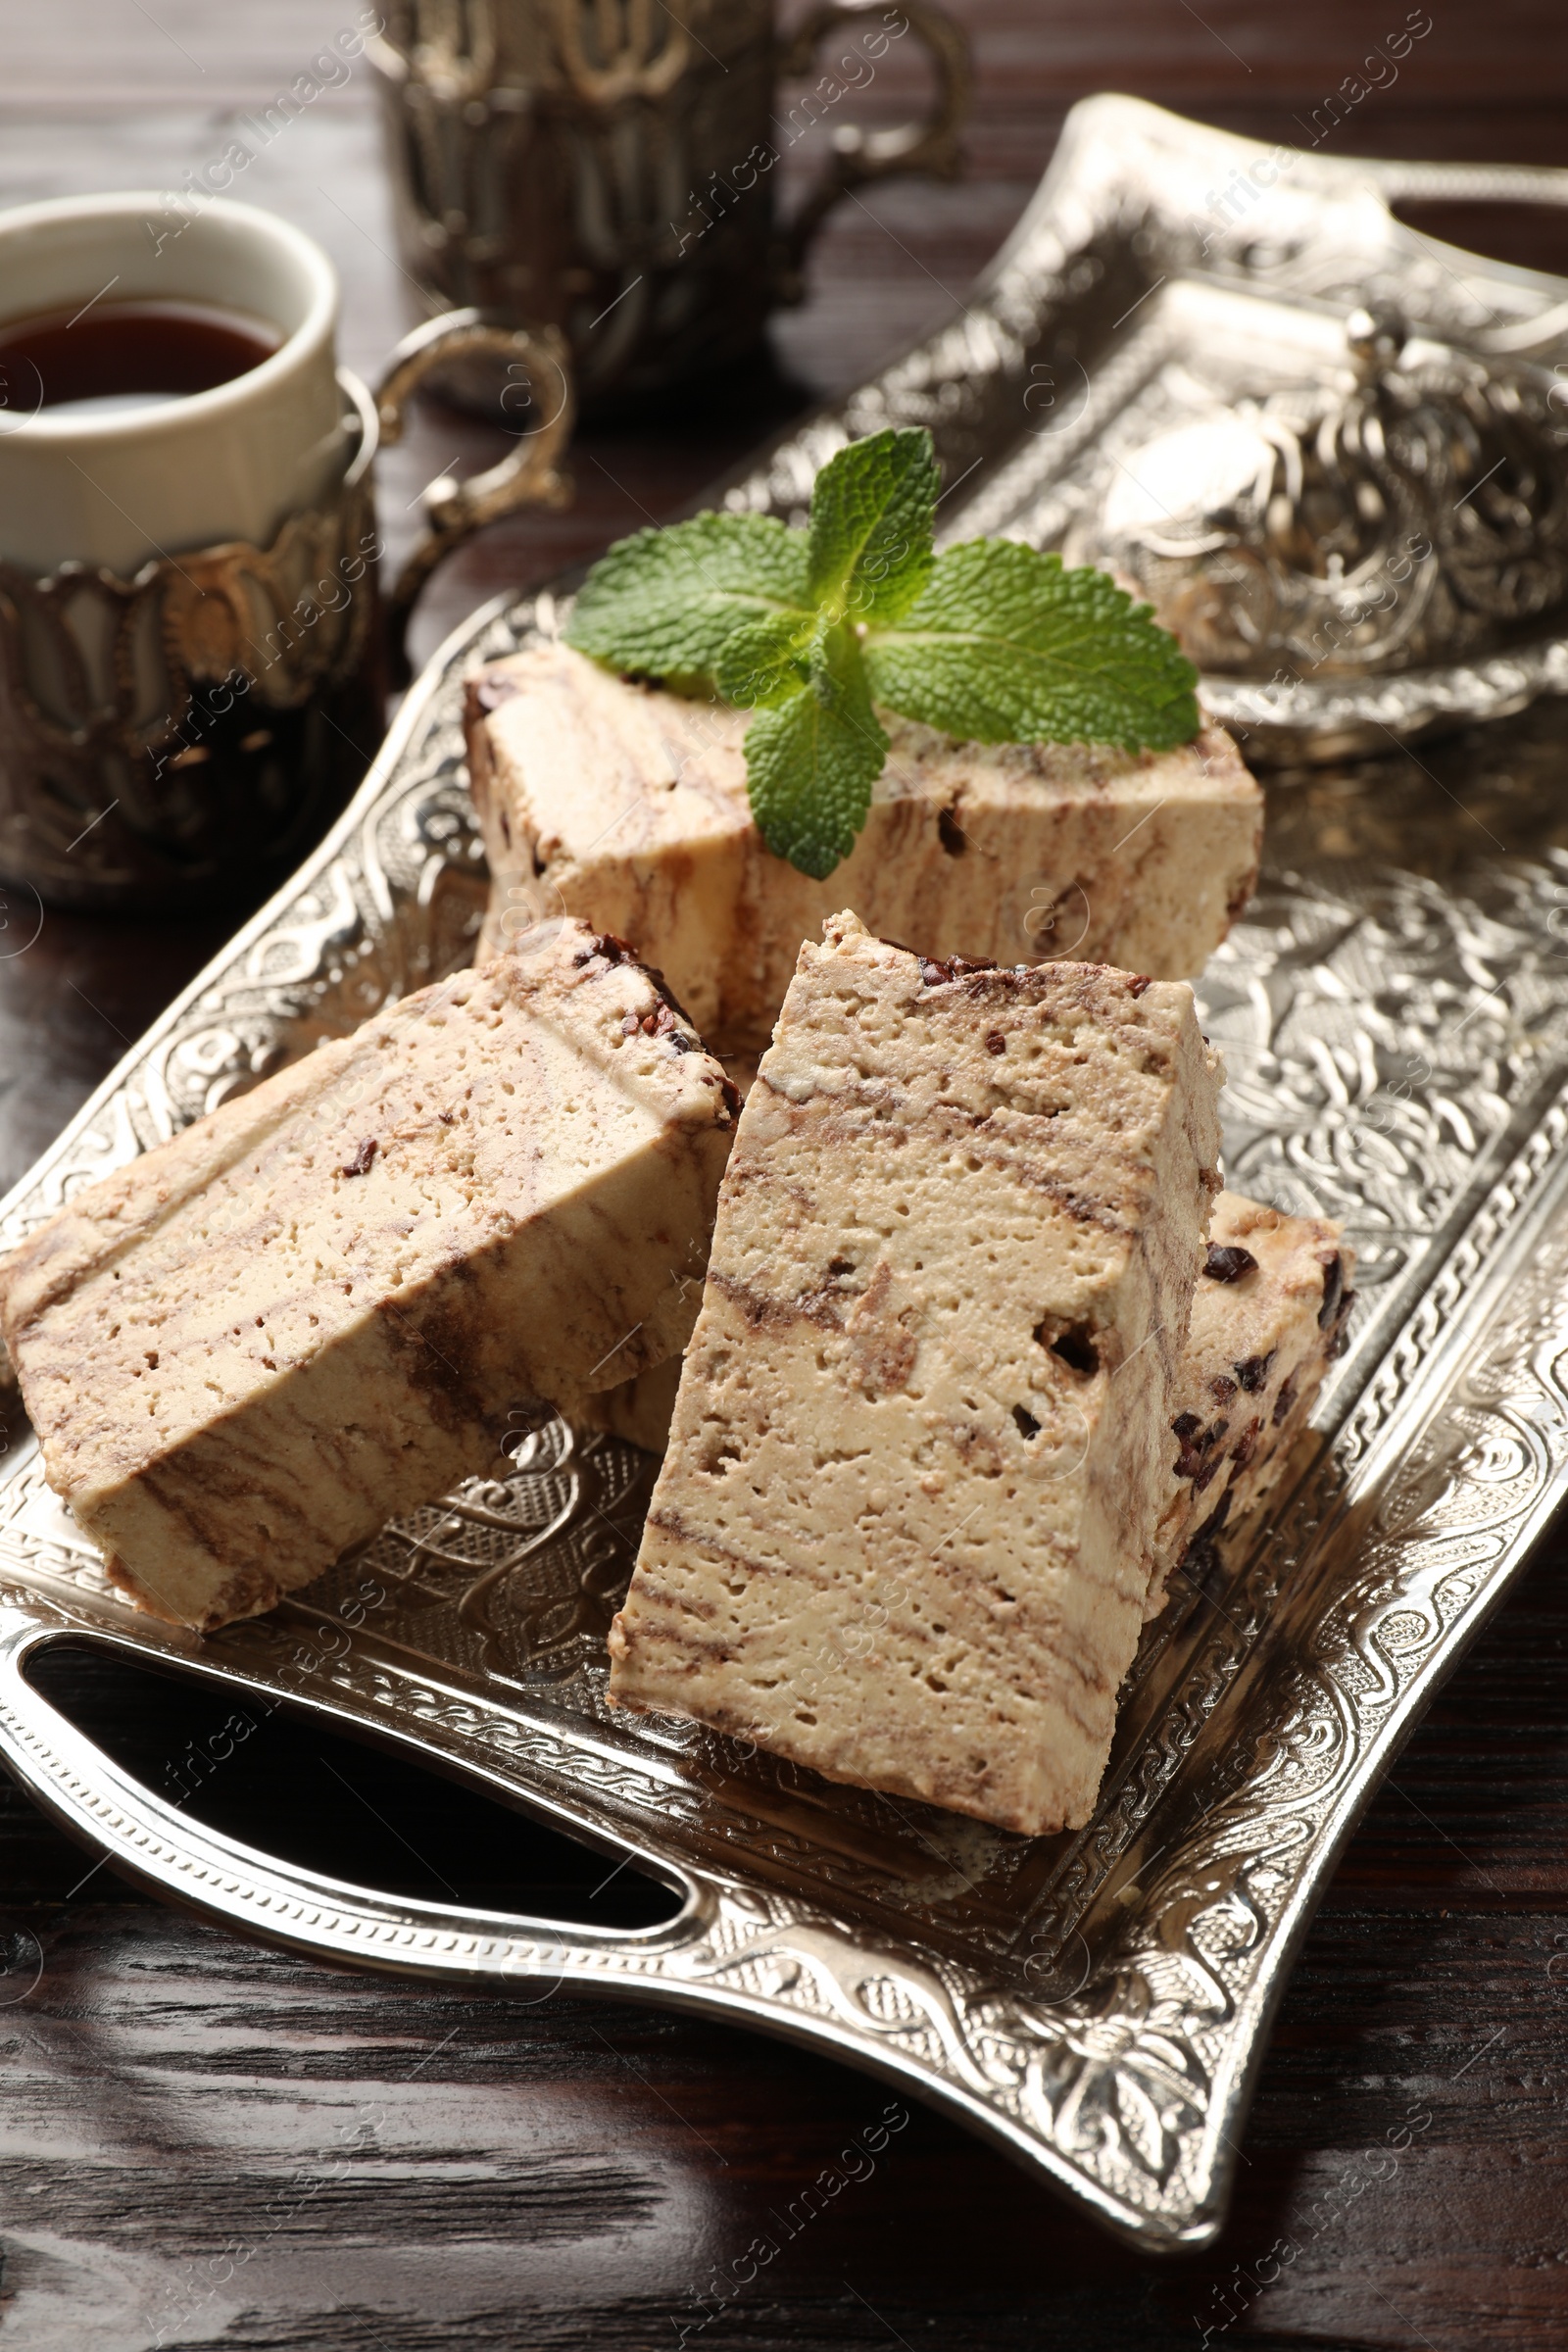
(1393, 1012)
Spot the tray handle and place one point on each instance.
(184, 1861)
(1483, 183)
(1470, 184)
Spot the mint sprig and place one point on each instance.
(817, 629)
(1004, 645)
(812, 756)
(873, 508)
(666, 602)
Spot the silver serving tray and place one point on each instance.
(1394, 1011)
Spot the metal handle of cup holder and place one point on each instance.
(529, 475)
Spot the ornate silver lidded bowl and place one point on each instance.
(1404, 512)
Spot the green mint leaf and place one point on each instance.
(992, 641)
(871, 520)
(1004, 646)
(765, 661)
(812, 760)
(667, 602)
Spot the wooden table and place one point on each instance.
(205, 2144)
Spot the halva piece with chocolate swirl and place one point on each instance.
(904, 1529)
(317, 1307)
(627, 807)
(1269, 1316)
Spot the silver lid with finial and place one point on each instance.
(1395, 516)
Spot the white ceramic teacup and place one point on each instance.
(193, 643)
(232, 463)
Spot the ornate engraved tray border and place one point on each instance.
(1394, 1016)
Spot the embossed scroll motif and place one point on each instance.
(1398, 1049)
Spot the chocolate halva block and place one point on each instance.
(1269, 1315)
(1268, 1318)
(319, 1306)
(905, 1528)
(627, 805)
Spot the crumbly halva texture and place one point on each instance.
(627, 805)
(1269, 1316)
(640, 1409)
(319, 1305)
(905, 1528)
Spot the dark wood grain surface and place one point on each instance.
(209, 2145)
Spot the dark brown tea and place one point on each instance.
(105, 357)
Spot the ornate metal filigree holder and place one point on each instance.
(196, 728)
(1405, 510)
(1394, 1023)
(611, 170)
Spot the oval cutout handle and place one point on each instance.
(182, 1860)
